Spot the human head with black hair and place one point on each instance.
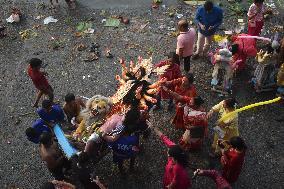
(69, 97)
(269, 49)
(83, 158)
(234, 48)
(230, 104)
(258, 2)
(131, 120)
(31, 132)
(208, 6)
(183, 25)
(188, 79)
(177, 153)
(35, 63)
(173, 58)
(45, 139)
(47, 185)
(47, 105)
(197, 101)
(238, 143)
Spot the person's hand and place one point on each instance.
(150, 125)
(221, 124)
(198, 172)
(266, 54)
(202, 27)
(135, 149)
(211, 28)
(169, 186)
(165, 88)
(98, 182)
(209, 114)
(163, 80)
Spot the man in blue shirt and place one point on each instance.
(208, 18)
(33, 133)
(49, 113)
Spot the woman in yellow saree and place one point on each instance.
(227, 128)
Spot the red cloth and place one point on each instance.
(255, 31)
(247, 47)
(185, 92)
(232, 162)
(38, 78)
(198, 119)
(174, 173)
(195, 118)
(221, 183)
(173, 72)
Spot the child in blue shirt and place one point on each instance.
(51, 114)
(33, 133)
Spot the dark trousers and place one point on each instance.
(186, 63)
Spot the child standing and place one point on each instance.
(39, 80)
(256, 14)
(185, 43)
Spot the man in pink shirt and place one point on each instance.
(185, 43)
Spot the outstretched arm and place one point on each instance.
(173, 94)
(164, 138)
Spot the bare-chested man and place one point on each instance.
(72, 106)
(53, 158)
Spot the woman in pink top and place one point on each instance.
(175, 176)
(256, 14)
(185, 43)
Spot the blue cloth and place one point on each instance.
(213, 18)
(54, 116)
(40, 128)
(123, 147)
(65, 145)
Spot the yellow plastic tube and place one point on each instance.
(228, 115)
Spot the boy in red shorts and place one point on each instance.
(39, 80)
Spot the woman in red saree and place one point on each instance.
(232, 159)
(172, 72)
(185, 88)
(176, 175)
(196, 124)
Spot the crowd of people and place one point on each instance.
(123, 129)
